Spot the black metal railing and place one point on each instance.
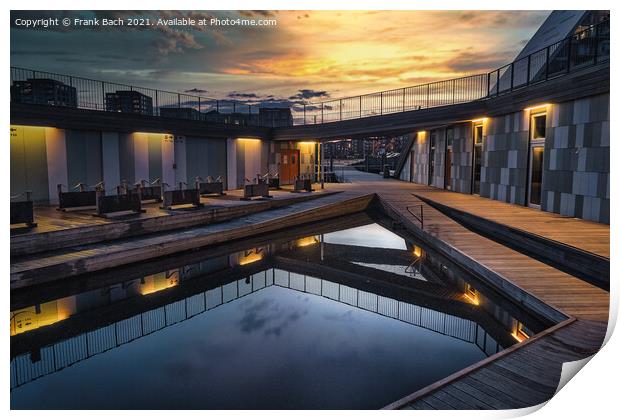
(39, 87)
(584, 48)
(587, 47)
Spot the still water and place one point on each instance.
(353, 319)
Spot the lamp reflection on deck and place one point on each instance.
(250, 258)
(472, 295)
(160, 281)
(307, 241)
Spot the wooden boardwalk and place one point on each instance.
(528, 373)
(588, 236)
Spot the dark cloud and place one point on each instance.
(309, 94)
(242, 95)
(195, 90)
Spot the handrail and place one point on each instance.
(548, 62)
(587, 47)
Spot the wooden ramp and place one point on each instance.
(523, 376)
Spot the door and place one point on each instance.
(448, 162)
(536, 172)
(412, 165)
(448, 175)
(538, 132)
(477, 163)
(289, 166)
(431, 157)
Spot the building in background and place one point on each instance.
(43, 92)
(129, 101)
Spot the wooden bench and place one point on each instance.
(23, 211)
(259, 189)
(181, 197)
(78, 199)
(303, 185)
(210, 187)
(110, 204)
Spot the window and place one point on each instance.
(478, 134)
(449, 137)
(538, 126)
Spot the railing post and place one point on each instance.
(488, 84)
(547, 64)
(529, 60)
(428, 94)
(234, 107)
(322, 107)
(381, 103)
(340, 106)
(217, 106)
(403, 99)
(512, 73)
(199, 104)
(157, 101)
(304, 114)
(453, 90)
(179, 99)
(497, 81)
(360, 106)
(568, 55)
(103, 107)
(596, 43)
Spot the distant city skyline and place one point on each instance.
(307, 56)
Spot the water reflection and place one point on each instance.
(311, 313)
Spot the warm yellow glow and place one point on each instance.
(307, 142)
(421, 133)
(417, 251)
(146, 133)
(310, 240)
(248, 139)
(31, 318)
(472, 295)
(160, 281)
(472, 299)
(518, 334)
(537, 107)
(479, 120)
(250, 258)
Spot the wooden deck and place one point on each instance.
(528, 373)
(523, 375)
(588, 236)
(44, 267)
(50, 219)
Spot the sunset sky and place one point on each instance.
(310, 55)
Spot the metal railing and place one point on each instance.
(584, 48)
(38, 87)
(587, 47)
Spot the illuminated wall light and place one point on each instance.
(307, 142)
(248, 139)
(480, 120)
(417, 251)
(310, 240)
(537, 107)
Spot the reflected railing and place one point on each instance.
(30, 366)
